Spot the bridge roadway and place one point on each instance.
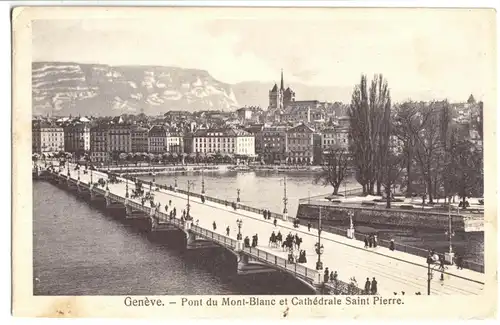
(395, 271)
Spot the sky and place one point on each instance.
(446, 53)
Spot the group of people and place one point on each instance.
(291, 242)
(371, 241)
(301, 258)
(330, 276)
(371, 287)
(296, 223)
(266, 214)
(255, 241)
(275, 239)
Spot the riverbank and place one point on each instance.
(169, 169)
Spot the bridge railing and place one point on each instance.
(98, 190)
(137, 206)
(220, 239)
(116, 198)
(307, 274)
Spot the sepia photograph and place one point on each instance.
(333, 156)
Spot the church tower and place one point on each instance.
(276, 95)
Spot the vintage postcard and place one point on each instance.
(254, 162)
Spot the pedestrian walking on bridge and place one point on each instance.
(227, 231)
(367, 286)
(374, 286)
(308, 226)
(214, 225)
(391, 245)
(275, 222)
(366, 242)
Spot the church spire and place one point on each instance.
(282, 86)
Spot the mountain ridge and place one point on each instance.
(72, 88)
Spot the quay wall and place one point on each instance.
(377, 216)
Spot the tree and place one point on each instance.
(336, 162)
(406, 124)
(429, 144)
(392, 169)
(465, 170)
(368, 114)
(122, 157)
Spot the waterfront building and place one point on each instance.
(162, 139)
(139, 139)
(99, 151)
(188, 142)
(256, 130)
(119, 138)
(47, 137)
(77, 137)
(301, 143)
(274, 144)
(224, 140)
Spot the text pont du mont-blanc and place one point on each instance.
(249, 301)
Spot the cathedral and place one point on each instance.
(280, 98)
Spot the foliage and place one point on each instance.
(336, 163)
(369, 118)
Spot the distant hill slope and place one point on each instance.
(66, 88)
(74, 88)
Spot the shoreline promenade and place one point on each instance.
(395, 271)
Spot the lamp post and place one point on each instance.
(190, 184)
(238, 193)
(202, 181)
(126, 185)
(91, 179)
(285, 199)
(450, 255)
(319, 247)
(239, 222)
(430, 274)
(350, 231)
(175, 182)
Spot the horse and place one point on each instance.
(279, 238)
(298, 241)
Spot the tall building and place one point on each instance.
(280, 98)
(119, 138)
(229, 141)
(301, 142)
(77, 138)
(139, 139)
(47, 137)
(162, 139)
(274, 144)
(99, 151)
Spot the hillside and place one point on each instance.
(89, 89)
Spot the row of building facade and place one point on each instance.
(271, 144)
